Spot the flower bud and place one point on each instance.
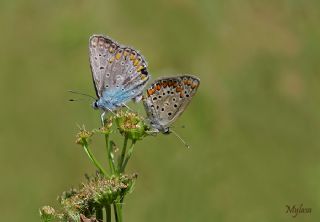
(47, 214)
(131, 125)
(83, 137)
(106, 129)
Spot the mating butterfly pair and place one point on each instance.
(120, 74)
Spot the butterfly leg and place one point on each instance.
(112, 112)
(128, 107)
(102, 118)
(104, 113)
(153, 131)
(137, 98)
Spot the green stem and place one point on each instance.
(110, 154)
(123, 153)
(108, 213)
(99, 214)
(117, 212)
(130, 151)
(93, 159)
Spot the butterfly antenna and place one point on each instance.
(80, 93)
(174, 127)
(76, 100)
(184, 142)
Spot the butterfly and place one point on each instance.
(119, 73)
(167, 98)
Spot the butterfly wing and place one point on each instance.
(167, 98)
(115, 68)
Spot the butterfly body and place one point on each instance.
(119, 73)
(167, 98)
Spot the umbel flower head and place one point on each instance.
(106, 128)
(96, 193)
(131, 125)
(47, 213)
(83, 137)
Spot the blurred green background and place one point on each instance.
(254, 125)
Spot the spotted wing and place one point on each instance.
(115, 67)
(168, 97)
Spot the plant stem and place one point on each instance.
(110, 154)
(130, 151)
(99, 214)
(123, 153)
(93, 159)
(108, 213)
(117, 212)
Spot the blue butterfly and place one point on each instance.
(119, 73)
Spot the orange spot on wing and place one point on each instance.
(139, 68)
(150, 91)
(158, 87)
(133, 56)
(170, 83)
(179, 89)
(164, 84)
(136, 62)
(118, 55)
(143, 76)
(194, 85)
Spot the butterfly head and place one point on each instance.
(156, 127)
(166, 130)
(105, 103)
(95, 105)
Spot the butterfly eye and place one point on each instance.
(95, 105)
